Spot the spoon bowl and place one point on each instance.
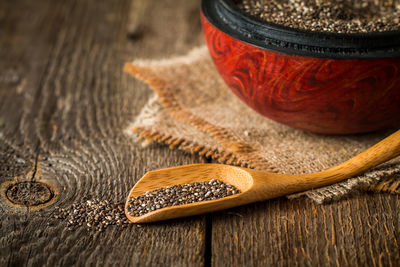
(241, 178)
(254, 185)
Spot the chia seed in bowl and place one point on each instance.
(339, 16)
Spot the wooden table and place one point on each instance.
(64, 103)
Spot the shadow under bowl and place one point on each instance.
(332, 83)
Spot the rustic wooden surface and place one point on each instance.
(64, 103)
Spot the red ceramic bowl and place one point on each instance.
(320, 82)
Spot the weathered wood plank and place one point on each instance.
(360, 231)
(65, 99)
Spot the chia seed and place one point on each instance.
(179, 195)
(95, 214)
(340, 16)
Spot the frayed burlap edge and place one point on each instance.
(385, 185)
(148, 136)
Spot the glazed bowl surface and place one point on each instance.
(320, 82)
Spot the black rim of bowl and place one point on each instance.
(227, 17)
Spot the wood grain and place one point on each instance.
(65, 99)
(64, 103)
(359, 231)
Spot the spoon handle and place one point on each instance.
(269, 186)
(381, 152)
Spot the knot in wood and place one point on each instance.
(29, 193)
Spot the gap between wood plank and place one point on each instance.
(208, 239)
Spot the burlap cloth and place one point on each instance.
(195, 111)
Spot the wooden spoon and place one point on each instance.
(254, 185)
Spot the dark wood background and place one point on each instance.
(64, 103)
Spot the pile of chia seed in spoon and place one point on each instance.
(179, 195)
(340, 16)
